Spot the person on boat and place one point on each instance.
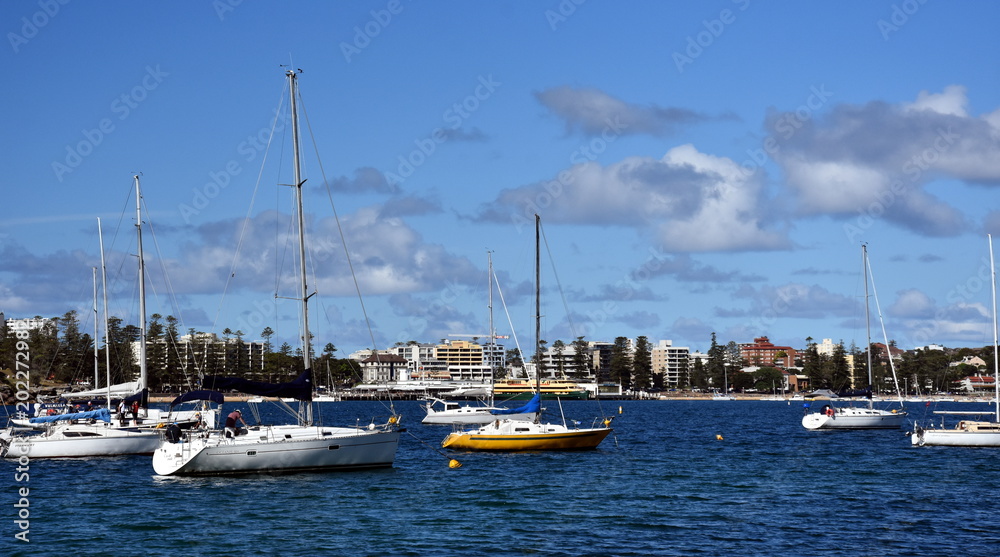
(198, 422)
(231, 429)
(135, 412)
(122, 414)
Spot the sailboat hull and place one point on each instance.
(83, 440)
(855, 418)
(278, 449)
(965, 434)
(511, 435)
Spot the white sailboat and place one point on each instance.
(520, 435)
(303, 446)
(444, 412)
(970, 433)
(724, 395)
(95, 433)
(858, 417)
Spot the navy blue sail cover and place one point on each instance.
(211, 396)
(299, 389)
(532, 407)
(142, 397)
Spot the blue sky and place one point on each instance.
(699, 167)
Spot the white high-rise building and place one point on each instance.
(671, 362)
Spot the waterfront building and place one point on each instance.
(672, 362)
(383, 367)
(762, 352)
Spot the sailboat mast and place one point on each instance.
(996, 352)
(300, 216)
(538, 306)
(107, 329)
(142, 286)
(493, 333)
(868, 325)
(96, 359)
(305, 410)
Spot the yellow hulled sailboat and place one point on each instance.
(520, 435)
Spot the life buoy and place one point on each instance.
(828, 410)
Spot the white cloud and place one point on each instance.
(388, 257)
(729, 214)
(688, 200)
(877, 159)
(912, 303)
(952, 100)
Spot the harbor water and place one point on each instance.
(675, 478)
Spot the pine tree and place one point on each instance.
(621, 363)
(558, 350)
(580, 363)
(716, 371)
(642, 364)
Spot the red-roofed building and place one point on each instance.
(880, 351)
(763, 353)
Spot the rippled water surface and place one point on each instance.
(662, 485)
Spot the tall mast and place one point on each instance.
(996, 352)
(142, 286)
(868, 326)
(305, 410)
(107, 330)
(96, 360)
(538, 307)
(493, 333)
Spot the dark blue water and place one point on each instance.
(664, 485)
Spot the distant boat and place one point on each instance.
(853, 417)
(520, 435)
(445, 412)
(970, 433)
(303, 446)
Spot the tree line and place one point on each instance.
(61, 352)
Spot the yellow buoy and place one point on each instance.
(393, 420)
(619, 409)
(454, 464)
(718, 437)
